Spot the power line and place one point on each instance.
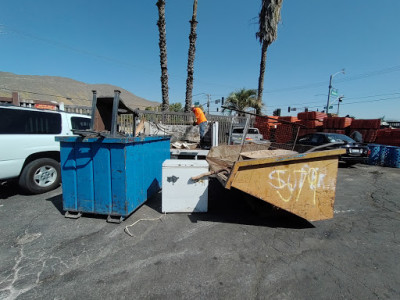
(346, 103)
(375, 100)
(323, 83)
(103, 57)
(370, 74)
(279, 90)
(396, 93)
(357, 102)
(304, 103)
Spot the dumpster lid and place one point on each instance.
(193, 163)
(103, 116)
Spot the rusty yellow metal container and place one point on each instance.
(301, 183)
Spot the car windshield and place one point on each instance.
(333, 138)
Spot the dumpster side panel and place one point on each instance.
(84, 170)
(161, 153)
(111, 176)
(102, 178)
(305, 187)
(118, 179)
(144, 174)
(68, 174)
(135, 174)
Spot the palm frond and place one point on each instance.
(242, 99)
(268, 19)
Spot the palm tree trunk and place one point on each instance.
(163, 53)
(191, 56)
(261, 77)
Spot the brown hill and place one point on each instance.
(61, 89)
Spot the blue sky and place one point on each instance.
(116, 42)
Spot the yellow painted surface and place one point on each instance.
(303, 184)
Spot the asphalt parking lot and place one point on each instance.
(239, 250)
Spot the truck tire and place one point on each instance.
(40, 176)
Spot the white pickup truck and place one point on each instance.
(28, 150)
(253, 136)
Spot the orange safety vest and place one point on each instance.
(200, 117)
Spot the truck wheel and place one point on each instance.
(40, 176)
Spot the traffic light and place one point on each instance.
(288, 109)
(222, 100)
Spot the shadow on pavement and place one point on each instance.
(236, 207)
(224, 206)
(57, 202)
(9, 189)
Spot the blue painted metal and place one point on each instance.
(392, 157)
(376, 156)
(111, 176)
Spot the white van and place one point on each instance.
(28, 150)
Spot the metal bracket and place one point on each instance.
(115, 219)
(73, 215)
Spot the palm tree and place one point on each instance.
(268, 20)
(191, 55)
(163, 53)
(242, 99)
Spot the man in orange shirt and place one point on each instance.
(201, 120)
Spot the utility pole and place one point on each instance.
(330, 89)
(329, 94)
(208, 103)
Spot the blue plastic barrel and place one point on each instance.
(376, 157)
(392, 157)
(111, 176)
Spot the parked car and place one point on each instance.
(29, 152)
(355, 152)
(253, 136)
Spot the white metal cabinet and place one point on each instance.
(179, 192)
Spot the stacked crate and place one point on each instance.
(266, 126)
(285, 131)
(262, 125)
(388, 137)
(336, 124)
(367, 127)
(311, 119)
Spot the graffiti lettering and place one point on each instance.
(290, 184)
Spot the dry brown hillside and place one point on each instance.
(61, 89)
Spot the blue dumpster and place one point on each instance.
(377, 155)
(392, 157)
(110, 176)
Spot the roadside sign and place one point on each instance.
(334, 92)
(45, 106)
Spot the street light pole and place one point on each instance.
(330, 89)
(208, 103)
(329, 94)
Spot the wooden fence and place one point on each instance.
(84, 110)
(125, 121)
